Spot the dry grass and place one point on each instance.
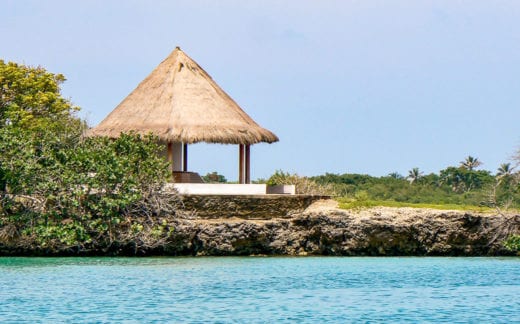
(304, 185)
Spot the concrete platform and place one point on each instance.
(230, 189)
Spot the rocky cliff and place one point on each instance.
(323, 229)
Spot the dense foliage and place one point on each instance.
(460, 186)
(453, 185)
(58, 188)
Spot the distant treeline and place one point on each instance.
(460, 185)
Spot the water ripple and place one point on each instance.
(260, 290)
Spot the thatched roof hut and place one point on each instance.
(181, 104)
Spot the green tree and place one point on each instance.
(505, 169)
(31, 105)
(504, 193)
(463, 179)
(470, 163)
(214, 177)
(30, 98)
(414, 175)
(504, 172)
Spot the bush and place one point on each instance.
(66, 190)
(512, 243)
(214, 177)
(304, 185)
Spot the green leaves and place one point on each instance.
(58, 188)
(454, 185)
(30, 99)
(414, 175)
(214, 177)
(470, 163)
(96, 178)
(462, 179)
(512, 243)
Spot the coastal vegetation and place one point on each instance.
(460, 187)
(454, 185)
(59, 188)
(63, 191)
(454, 188)
(512, 243)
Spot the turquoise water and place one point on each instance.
(260, 290)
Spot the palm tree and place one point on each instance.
(470, 163)
(505, 170)
(414, 175)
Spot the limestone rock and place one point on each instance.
(323, 229)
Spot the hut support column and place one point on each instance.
(241, 163)
(248, 164)
(244, 164)
(179, 156)
(185, 157)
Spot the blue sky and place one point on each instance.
(349, 86)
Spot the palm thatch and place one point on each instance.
(180, 102)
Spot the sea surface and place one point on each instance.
(260, 290)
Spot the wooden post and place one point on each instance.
(241, 163)
(185, 158)
(248, 164)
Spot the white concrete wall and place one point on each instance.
(220, 189)
(282, 190)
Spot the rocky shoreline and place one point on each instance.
(321, 229)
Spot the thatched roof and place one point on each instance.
(180, 102)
